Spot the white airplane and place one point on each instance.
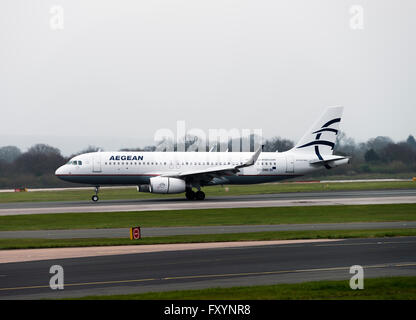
(178, 172)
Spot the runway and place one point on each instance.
(243, 201)
(175, 231)
(215, 267)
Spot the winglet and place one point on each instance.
(253, 158)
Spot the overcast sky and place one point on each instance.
(114, 72)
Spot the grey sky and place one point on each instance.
(120, 70)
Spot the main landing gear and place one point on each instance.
(192, 195)
(95, 197)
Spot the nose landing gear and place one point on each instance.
(95, 197)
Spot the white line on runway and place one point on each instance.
(211, 205)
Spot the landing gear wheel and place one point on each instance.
(190, 195)
(95, 196)
(200, 195)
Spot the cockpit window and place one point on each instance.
(74, 162)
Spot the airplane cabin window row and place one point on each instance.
(186, 163)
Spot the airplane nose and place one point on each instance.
(59, 171)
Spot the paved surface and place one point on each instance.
(21, 255)
(134, 187)
(219, 267)
(174, 231)
(245, 201)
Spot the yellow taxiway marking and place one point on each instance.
(410, 264)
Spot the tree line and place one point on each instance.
(377, 157)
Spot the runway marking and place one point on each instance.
(361, 243)
(285, 271)
(387, 265)
(81, 284)
(255, 201)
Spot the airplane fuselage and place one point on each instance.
(136, 168)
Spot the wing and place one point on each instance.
(209, 173)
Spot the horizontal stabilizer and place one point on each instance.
(331, 161)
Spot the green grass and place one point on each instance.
(251, 236)
(211, 217)
(389, 288)
(131, 193)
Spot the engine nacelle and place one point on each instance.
(164, 185)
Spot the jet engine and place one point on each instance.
(163, 185)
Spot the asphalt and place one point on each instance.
(243, 201)
(174, 231)
(219, 267)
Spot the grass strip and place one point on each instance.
(388, 288)
(212, 217)
(251, 236)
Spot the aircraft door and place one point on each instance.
(96, 163)
(290, 164)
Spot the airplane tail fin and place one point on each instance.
(320, 138)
